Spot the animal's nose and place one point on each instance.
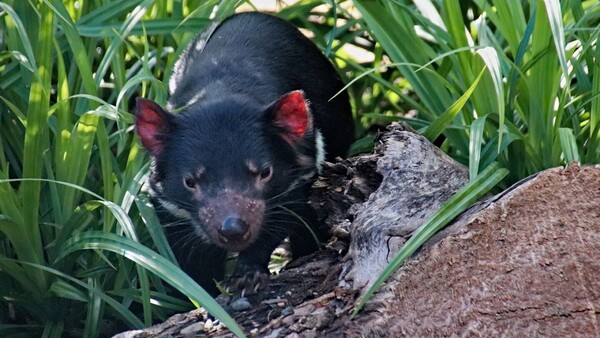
(234, 229)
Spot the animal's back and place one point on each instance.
(260, 57)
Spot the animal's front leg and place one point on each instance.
(251, 274)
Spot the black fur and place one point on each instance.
(228, 87)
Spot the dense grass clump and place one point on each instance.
(510, 81)
(75, 235)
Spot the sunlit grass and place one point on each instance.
(536, 106)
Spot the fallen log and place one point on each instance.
(522, 263)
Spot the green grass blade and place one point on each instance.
(17, 272)
(553, 11)
(512, 21)
(121, 215)
(154, 227)
(67, 291)
(490, 152)
(394, 30)
(30, 60)
(78, 158)
(120, 310)
(513, 76)
(18, 113)
(458, 37)
(76, 44)
(543, 84)
(154, 263)
(145, 289)
(36, 142)
(150, 27)
(475, 142)
(106, 165)
(94, 313)
(107, 12)
(10, 204)
(77, 146)
(494, 102)
(568, 144)
(53, 329)
(439, 125)
(21, 243)
(595, 106)
(124, 30)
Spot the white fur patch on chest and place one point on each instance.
(320, 147)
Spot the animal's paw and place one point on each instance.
(250, 283)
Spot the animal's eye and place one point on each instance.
(266, 173)
(189, 182)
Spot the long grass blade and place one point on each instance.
(439, 125)
(120, 310)
(150, 27)
(554, 13)
(154, 263)
(495, 102)
(29, 59)
(36, 143)
(475, 142)
(569, 145)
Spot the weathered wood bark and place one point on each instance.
(417, 179)
(523, 263)
(526, 265)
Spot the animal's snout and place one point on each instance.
(232, 220)
(234, 229)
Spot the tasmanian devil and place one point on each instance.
(232, 167)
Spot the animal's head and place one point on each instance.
(221, 163)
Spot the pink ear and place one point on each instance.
(291, 113)
(151, 122)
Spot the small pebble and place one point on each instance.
(274, 333)
(194, 328)
(309, 334)
(241, 304)
(324, 318)
(304, 310)
(310, 323)
(287, 311)
(208, 325)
